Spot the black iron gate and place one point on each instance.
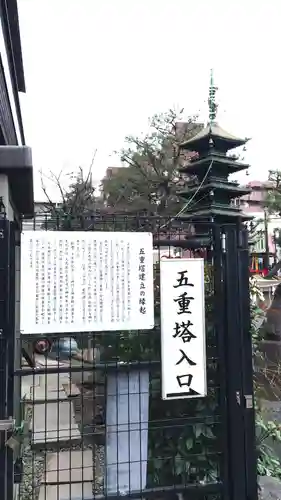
(202, 448)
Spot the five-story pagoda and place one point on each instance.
(210, 196)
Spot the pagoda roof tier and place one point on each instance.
(221, 139)
(206, 213)
(229, 187)
(227, 163)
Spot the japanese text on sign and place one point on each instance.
(86, 281)
(142, 280)
(183, 328)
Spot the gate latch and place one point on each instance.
(249, 401)
(7, 425)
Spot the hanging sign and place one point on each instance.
(183, 349)
(74, 281)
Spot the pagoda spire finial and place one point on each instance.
(212, 100)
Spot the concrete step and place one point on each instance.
(74, 467)
(53, 381)
(74, 491)
(71, 390)
(41, 394)
(41, 360)
(54, 425)
(28, 382)
(53, 392)
(69, 466)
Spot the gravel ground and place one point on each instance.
(33, 468)
(98, 469)
(270, 488)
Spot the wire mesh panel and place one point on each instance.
(97, 426)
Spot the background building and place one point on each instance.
(16, 201)
(16, 173)
(11, 75)
(42, 212)
(263, 248)
(253, 204)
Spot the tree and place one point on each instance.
(273, 205)
(149, 180)
(146, 184)
(78, 201)
(254, 231)
(273, 195)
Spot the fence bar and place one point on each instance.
(247, 353)
(219, 318)
(6, 456)
(233, 332)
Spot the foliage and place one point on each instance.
(268, 462)
(78, 200)
(256, 231)
(273, 196)
(150, 177)
(272, 203)
(277, 236)
(146, 184)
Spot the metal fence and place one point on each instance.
(92, 423)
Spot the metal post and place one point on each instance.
(233, 343)
(5, 463)
(241, 417)
(11, 345)
(248, 390)
(219, 324)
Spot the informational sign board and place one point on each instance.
(183, 344)
(74, 281)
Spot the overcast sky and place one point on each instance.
(97, 69)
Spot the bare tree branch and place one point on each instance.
(155, 158)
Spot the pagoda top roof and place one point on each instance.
(212, 130)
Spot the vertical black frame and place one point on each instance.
(7, 352)
(238, 355)
(6, 457)
(248, 386)
(219, 317)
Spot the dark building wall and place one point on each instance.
(12, 171)
(11, 75)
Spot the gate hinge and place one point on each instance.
(7, 425)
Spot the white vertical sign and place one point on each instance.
(74, 281)
(183, 344)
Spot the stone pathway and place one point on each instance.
(67, 492)
(53, 425)
(72, 467)
(57, 424)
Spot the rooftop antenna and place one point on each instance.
(213, 107)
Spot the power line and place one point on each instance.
(191, 199)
